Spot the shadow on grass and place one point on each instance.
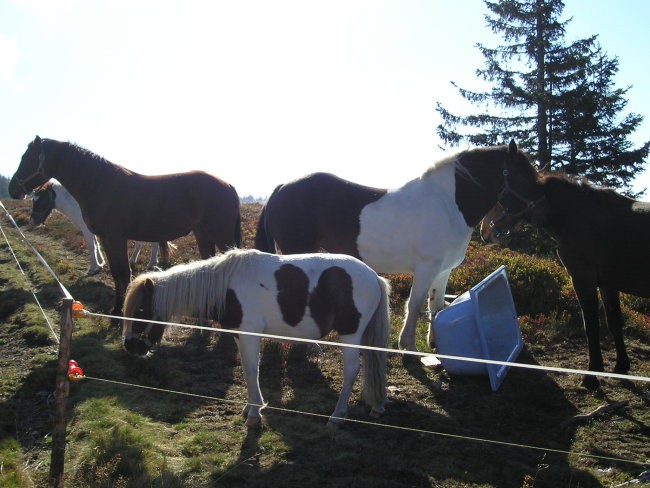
(354, 455)
(431, 448)
(529, 409)
(91, 290)
(191, 368)
(200, 366)
(117, 461)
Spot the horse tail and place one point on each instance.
(376, 335)
(263, 240)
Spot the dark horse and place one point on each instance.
(602, 241)
(120, 205)
(422, 228)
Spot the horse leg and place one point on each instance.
(419, 289)
(249, 351)
(615, 324)
(153, 260)
(436, 301)
(98, 252)
(588, 298)
(93, 252)
(351, 368)
(207, 247)
(118, 260)
(137, 246)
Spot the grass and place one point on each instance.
(122, 436)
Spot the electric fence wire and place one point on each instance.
(338, 344)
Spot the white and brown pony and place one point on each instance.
(306, 296)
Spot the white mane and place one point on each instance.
(459, 168)
(441, 163)
(196, 289)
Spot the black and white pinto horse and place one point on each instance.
(422, 228)
(305, 296)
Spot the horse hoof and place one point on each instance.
(410, 360)
(590, 382)
(376, 413)
(623, 368)
(253, 421)
(407, 345)
(333, 425)
(93, 272)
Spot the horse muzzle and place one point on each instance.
(137, 347)
(16, 190)
(35, 221)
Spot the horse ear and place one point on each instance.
(147, 292)
(37, 145)
(148, 285)
(512, 148)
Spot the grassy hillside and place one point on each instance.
(121, 435)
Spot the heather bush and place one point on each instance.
(541, 288)
(400, 285)
(637, 304)
(539, 285)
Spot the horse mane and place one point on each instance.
(72, 152)
(446, 161)
(458, 160)
(196, 289)
(573, 187)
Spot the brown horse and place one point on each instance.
(602, 241)
(120, 205)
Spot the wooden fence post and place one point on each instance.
(62, 388)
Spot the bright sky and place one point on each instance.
(260, 92)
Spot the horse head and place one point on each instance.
(31, 172)
(43, 202)
(521, 195)
(498, 175)
(140, 337)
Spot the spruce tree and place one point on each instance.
(557, 100)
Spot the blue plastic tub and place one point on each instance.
(480, 323)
